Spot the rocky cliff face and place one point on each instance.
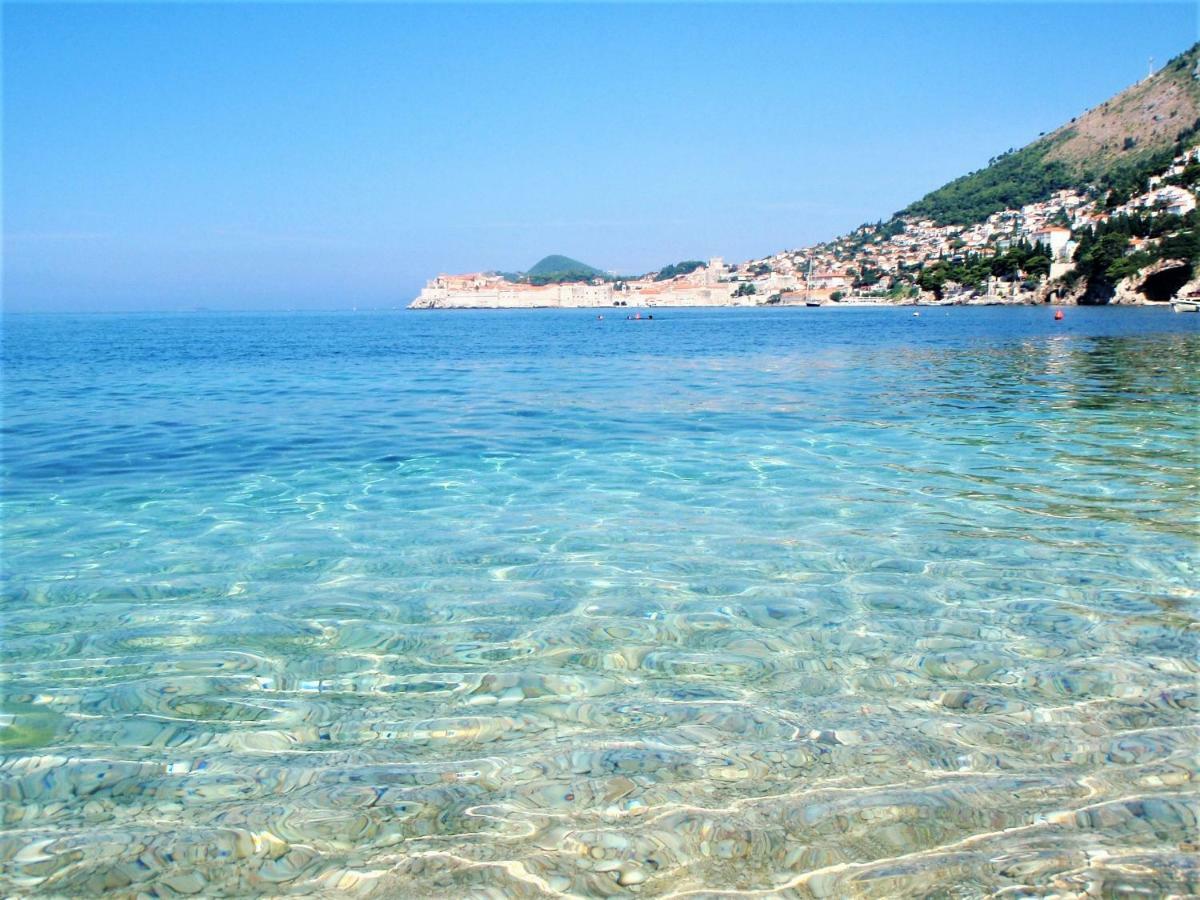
(1153, 285)
(1161, 282)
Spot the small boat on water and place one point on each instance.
(1185, 306)
(809, 299)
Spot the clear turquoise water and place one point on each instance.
(523, 603)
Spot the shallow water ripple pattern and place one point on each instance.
(789, 602)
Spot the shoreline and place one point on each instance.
(604, 310)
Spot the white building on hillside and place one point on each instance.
(1054, 238)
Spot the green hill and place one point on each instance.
(1114, 145)
(558, 267)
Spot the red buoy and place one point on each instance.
(1058, 315)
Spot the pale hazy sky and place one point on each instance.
(332, 155)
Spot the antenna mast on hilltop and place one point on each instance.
(1150, 68)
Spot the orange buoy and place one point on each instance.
(1058, 315)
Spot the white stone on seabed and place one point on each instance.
(631, 875)
(185, 882)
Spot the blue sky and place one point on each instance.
(329, 155)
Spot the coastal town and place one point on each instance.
(876, 264)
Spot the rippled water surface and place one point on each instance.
(822, 603)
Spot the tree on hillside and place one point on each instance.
(681, 268)
(1037, 266)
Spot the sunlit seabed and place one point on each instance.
(828, 603)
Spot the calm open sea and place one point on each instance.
(835, 602)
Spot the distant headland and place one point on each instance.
(1101, 210)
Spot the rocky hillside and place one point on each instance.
(1135, 125)
(1113, 146)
